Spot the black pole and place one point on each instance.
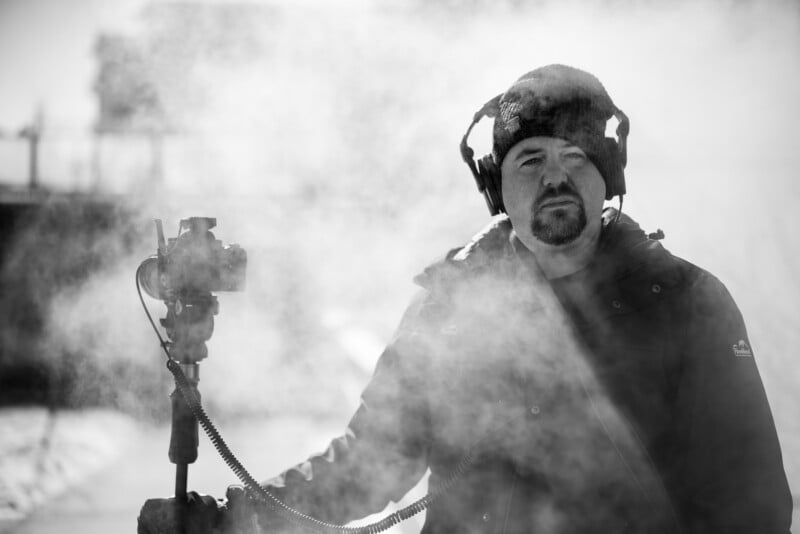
(181, 482)
(32, 133)
(189, 324)
(181, 498)
(183, 443)
(184, 437)
(34, 160)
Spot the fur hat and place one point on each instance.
(557, 101)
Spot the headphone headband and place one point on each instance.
(494, 200)
(488, 177)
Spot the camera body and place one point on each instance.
(193, 263)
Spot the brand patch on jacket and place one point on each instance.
(742, 349)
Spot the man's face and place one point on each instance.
(551, 190)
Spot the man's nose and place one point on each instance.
(554, 173)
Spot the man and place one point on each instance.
(562, 372)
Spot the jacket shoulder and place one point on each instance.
(708, 292)
(661, 274)
(683, 273)
(482, 251)
(645, 271)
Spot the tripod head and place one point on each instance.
(183, 273)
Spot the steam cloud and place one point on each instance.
(323, 138)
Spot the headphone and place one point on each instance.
(613, 155)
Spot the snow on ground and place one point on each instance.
(90, 471)
(43, 453)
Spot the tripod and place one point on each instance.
(189, 324)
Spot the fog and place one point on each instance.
(323, 137)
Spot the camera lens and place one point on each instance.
(148, 277)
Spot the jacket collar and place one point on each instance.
(621, 241)
(629, 272)
(624, 252)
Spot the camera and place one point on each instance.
(192, 264)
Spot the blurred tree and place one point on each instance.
(152, 84)
(128, 98)
(127, 94)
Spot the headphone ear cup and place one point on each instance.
(613, 171)
(490, 174)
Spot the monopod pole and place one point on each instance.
(183, 442)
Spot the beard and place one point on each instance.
(561, 225)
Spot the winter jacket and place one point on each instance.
(623, 398)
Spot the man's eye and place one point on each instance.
(532, 161)
(574, 156)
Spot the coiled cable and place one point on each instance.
(282, 509)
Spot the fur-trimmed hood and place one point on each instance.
(624, 248)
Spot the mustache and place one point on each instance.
(563, 190)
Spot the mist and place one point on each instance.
(323, 137)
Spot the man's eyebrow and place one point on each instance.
(528, 151)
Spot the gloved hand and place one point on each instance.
(248, 515)
(243, 511)
(202, 514)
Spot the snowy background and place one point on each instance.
(323, 136)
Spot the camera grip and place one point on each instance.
(183, 440)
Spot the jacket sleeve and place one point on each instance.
(732, 475)
(383, 452)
